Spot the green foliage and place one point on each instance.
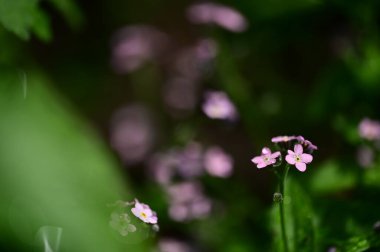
(25, 16)
(301, 220)
(55, 170)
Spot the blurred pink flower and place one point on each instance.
(267, 158)
(218, 163)
(188, 202)
(369, 129)
(365, 156)
(180, 94)
(144, 213)
(280, 139)
(191, 160)
(134, 45)
(221, 15)
(132, 133)
(217, 105)
(173, 245)
(298, 158)
(163, 166)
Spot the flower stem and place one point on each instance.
(282, 210)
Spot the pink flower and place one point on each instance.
(369, 129)
(298, 158)
(144, 213)
(218, 163)
(267, 158)
(223, 16)
(217, 105)
(280, 139)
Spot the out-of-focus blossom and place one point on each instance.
(191, 160)
(132, 133)
(285, 139)
(122, 223)
(191, 62)
(217, 162)
(134, 45)
(369, 129)
(217, 14)
(266, 158)
(180, 93)
(365, 156)
(162, 166)
(188, 202)
(173, 245)
(298, 158)
(144, 213)
(217, 105)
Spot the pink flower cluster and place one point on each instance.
(295, 157)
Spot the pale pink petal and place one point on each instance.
(258, 159)
(290, 152)
(301, 166)
(152, 219)
(290, 159)
(136, 212)
(306, 158)
(298, 149)
(265, 151)
(261, 165)
(276, 154)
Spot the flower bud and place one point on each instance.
(277, 197)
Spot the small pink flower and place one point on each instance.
(280, 139)
(298, 158)
(217, 105)
(369, 129)
(144, 213)
(267, 158)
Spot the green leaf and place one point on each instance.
(18, 16)
(56, 175)
(70, 11)
(328, 178)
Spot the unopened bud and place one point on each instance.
(277, 197)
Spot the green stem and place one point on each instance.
(282, 210)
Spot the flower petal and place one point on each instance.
(298, 149)
(261, 165)
(136, 212)
(291, 152)
(290, 159)
(306, 158)
(301, 167)
(275, 155)
(152, 220)
(258, 159)
(265, 151)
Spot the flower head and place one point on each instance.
(144, 213)
(267, 158)
(298, 158)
